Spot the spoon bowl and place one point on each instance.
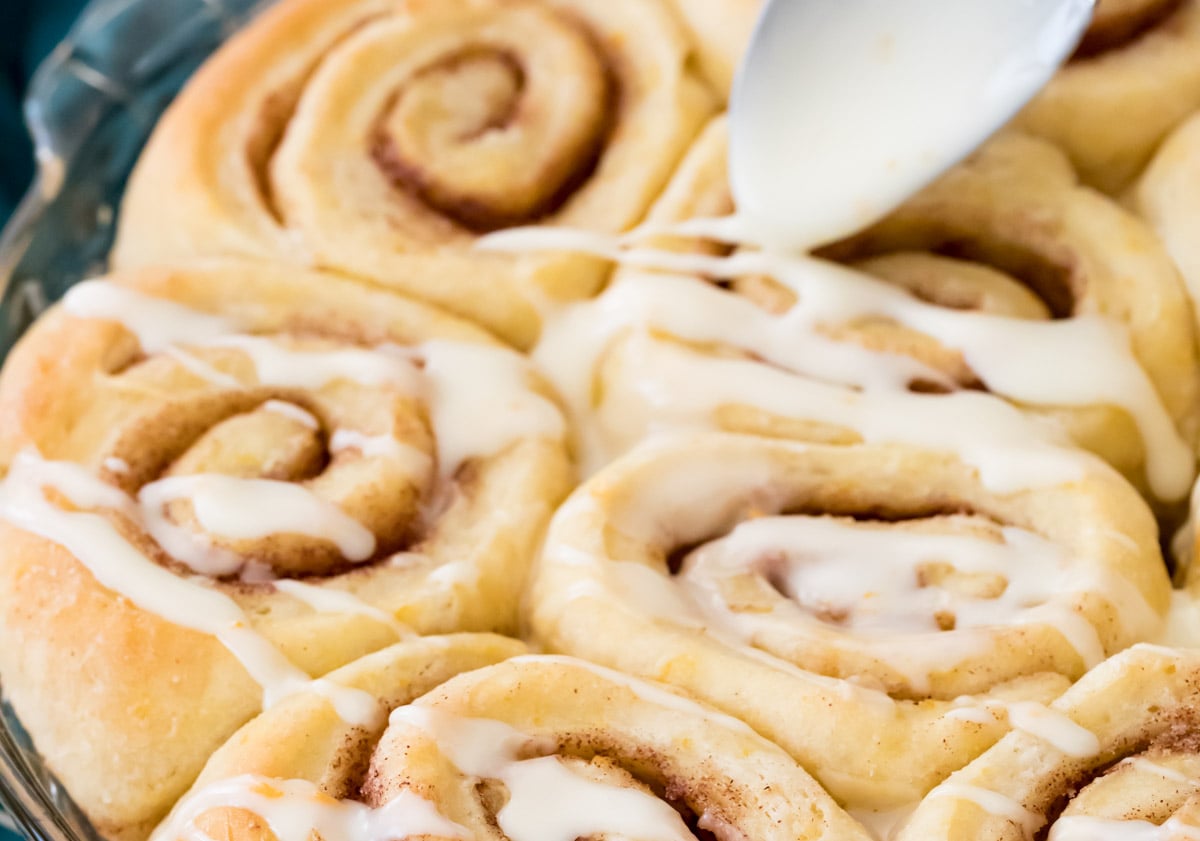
(843, 109)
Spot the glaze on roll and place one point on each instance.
(261, 476)
(874, 609)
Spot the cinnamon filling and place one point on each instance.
(1118, 23)
(260, 435)
(1054, 278)
(467, 136)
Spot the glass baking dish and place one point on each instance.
(90, 109)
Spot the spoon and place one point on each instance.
(843, 109)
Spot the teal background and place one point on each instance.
(31, 29)
(7, 831)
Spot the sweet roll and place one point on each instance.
(1003, 309)
(379, 138)
(1117, 758)
(875, 609)
(1135, 77)
(533, 748)
(224, 481)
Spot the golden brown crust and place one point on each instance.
(1009, 233)
(1141, 705)
(593, 725)
(319, 136)
(125, 704)
(646, 511)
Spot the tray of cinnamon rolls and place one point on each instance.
(392, 450)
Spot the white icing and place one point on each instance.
(1087, 828)
(329, 600)
(1054, 728)
(1044, 723)
(198, 367)
(481, 401)
(1140, 763)
(1183, 621)
(249, 509)
(638, 588)
(547, 799)
(295, 810)
(292, 411)
(675, 387)
(120, 566)
(869, 578)
(277, 365)
(1094, 363)
(353, 706)
(993, 803)
(157, 323)
(576, 804)
(973, 711)
(415, 461)
(462, 382)
(117, 466)
(905, 91)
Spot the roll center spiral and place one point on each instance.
(526, 96)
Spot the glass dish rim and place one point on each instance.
(38, 805)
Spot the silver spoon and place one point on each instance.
(842, 109)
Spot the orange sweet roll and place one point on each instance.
(877, 610)
(1060, 322)
(1119, 759)
(379, 138)
(1135, 77)
(535, 748)
(223, 481)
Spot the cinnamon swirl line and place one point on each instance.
(801, 347)
(1139, 783)
(264, 476)
(883, 630)
(380, 139)
(533, 748)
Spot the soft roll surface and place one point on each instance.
(223, 480)
(845, 600)
(532, 748)
(380, 138)
(1116, 758)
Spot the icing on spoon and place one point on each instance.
(842, 109)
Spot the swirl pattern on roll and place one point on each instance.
(380, 138)
(874, 609)
(1119, 761)
(532, 748)
(223, 481)
(1135, 78)
(964, 295)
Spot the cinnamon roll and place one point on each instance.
(225, 480)
(532, 748)
(1165, 198)
(720, 30)
(1135, 77)
(875, 610)
(379, 138)
(1000, 308)
(1115, 757)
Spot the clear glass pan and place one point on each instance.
(91, 107)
